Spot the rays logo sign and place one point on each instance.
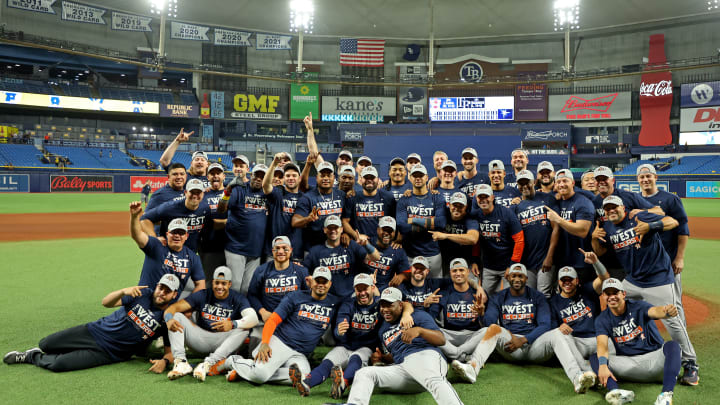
(471, 72)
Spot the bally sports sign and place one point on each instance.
(589, 107)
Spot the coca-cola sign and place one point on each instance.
(661, 88)
(81, 184)
(656, 97)
(589, 107)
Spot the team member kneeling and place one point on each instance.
(642, 354)
(224, 320)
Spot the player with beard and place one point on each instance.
(362, 163)
(393, 260)
(470, 177)
(398, 183)
(173, 190)
(283, 202)
(363, 210)
(546, 178)
(213, 239)
(199, 163)
(519, 161)
(504, 194)
(460, 233)
(317, 205)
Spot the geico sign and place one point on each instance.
(635, 187)
(711, 115)
(252, 103)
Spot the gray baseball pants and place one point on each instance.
(218, 344)
(243, 268)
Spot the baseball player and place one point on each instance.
(519, 330)
(541, 236)
(393, 260)
(290, 334)
(398, 183)
(318, 204)
(283, 201)
(503, 193)
(641, 353)
(346, 180)
(439, 157)
(418, 363)
(145, 193)
(412, 160)
(423, 211)
(588, 183)
(448, 172)
(343, 261)
(502, 240)
(470, 177)
(224, 318)
(417, 286)
(362, 163)
(172, 258)
(212, 240)
(546, 177)
(461, 233)
(519, 161)
(345, 157)
(199, 164)
(649, 275)
(241, 165)
(363, 210)
(173, 190)
(111, 339)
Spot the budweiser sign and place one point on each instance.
(589, 107)
(661, 88)
(81, 184)
(601, 104)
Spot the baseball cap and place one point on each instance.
(222, 273)
(449, 163)
(525, 174)
(194, 184)
(418, 168)
(603, 171)
(483, 189)
(199, 154)
(362, 278)
(216, 166)
(518, 268)
(347, 168)
(612, 283)
(281, 240)
(545, 165)
(414, 94)
(291, 166)
(397, 160)
(646, 166)
(459, 262)
(242, 158)
(471, 151)
(567, 271)
(521, 150)
(325, 165)
(279, 169)
(414, 156)
(421, 260)
(369, 171)
(391, 294)
(458, 197)
(364, 158)
(387, 222)
(345, 153)
(564, 173)
(177, 223)
(496, 165)
(332, 220)
(323, 272)
(259, 168)
(171, 281)
(613, 199)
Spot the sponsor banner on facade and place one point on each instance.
(589, 107)
(38, 6)
(82, 13)
(192, 32)
(700, 119)
(656, 98)
(304, 99)
(702, 189)
(14, 183)
(179, 110)
(78, 103)
(352, 135)
(531, 102)
(700, 94)
(217, 104)
(472, 108)
(256, 106)
(81, 184)
(138, 182)
(600, 139)
(273, 137)
(412, 104)
(558, 134)
(634, 187)
(272, 41)
(130, 22)
(231, 37)
(700, 138)
(357, 109)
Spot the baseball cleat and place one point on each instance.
(690, 374)
(232, 376)
(181, 368)
(466, 371)
(201, 371)
(217, 368)
(584, 381)
(297, 380)
(664, 398)
(619, 397)
(16, 357)
(338, 383)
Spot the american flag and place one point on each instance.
(362, 52)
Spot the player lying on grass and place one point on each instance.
(111, 339)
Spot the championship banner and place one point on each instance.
(130, 22)
(272, 41)
(14, 183)
(179, 110)
(700, 94)
(357, 108)
(304, 99)
(230, 37)
(138, 182)
(38, 6)
(472, 108)
(81, 184)
(412, 105)
(78, 103)
(257, 106)
(217, 104)
(700, 119)
(531, 102)
(188, 31)
(595, 106)
(82, 13)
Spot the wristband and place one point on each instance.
(421, 222)
(167, 362)
(600, 269)
(168, 316)
(370, 248)
(603, 360)
(656, 226)
(235, 324)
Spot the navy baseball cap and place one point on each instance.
(397, 160)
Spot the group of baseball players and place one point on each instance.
(438, 266)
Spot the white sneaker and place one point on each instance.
(180, 368)
(466, 371)
(201, 371)
(619, 397)
(584, 381)
(665, 398)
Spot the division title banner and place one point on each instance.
(78, 103)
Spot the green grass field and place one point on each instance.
(52, 285)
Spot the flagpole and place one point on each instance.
(431, 53)
(300, 51)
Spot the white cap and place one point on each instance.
(421, 260)
(449, 163)
(418, 168)
(567, 271)
(458, 197)
(345, 153)
(525, 174)
(242, 158)
(496, 165)
(279, 169)
(177, 223)
(259, 168)
(459, 262)
(603, 171)
(646, 166)
(215, 166)
(521, 150)
(363, 278)
(345, 169)
(365, 158)
(545, 165)
(387, 222)
(222, 273)
(564, 173)
(281, 240)
(612, 283)
(323, 272)
(483, 189)
(391, 294)
(332, 220)
(369, 171)
(199, 154)
(471, 151)
(517, 268)
(414, 156)
(325, 165)
(171, 281)
(194, 184)
(613, 199)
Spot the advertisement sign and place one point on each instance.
(700, 119)
(351, 135)
(274, 137)
(81, 184)
(412, 104)
(472, 108)
(357, 109)
(217, 104)
(634, 187)
(130, 22)
(700, 94)
(14, 183)
(138, 182)
(471, 71)
(412, 73)
(531, 102)
(82, 13)
(600, 139)
(38, 6)
(595, 106)
(702, 189)
(188, 31)
(230, 37)
(272, 41)
(257, 106)
(304, 98)
(559, 134)
(78, 103)
(699, 138)
(179, 110)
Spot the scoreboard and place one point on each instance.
(472, 108)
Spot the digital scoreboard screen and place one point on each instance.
(472, 108)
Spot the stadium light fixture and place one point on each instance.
(713, 5)
(566, 14)
(302, 16)
(161, 6)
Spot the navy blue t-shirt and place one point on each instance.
(146, 190)
(573, 209)
(282, 208)
(467, 186)
(632, 333)
(579, 312)
(392, 261)
(163, 195)
(504, 197)
(446, 193)
(305, 320)
(630, 200)
(161, 260)
(527, 315)
(398, 191)
(496, 232)
(455, 310)
(427, 206)
(451, 250)
(417, 295)
(211, 309)
(537, 229)
(194, 219)
(363, 320)
(587, 194)
(673, 207)
(269, 286)
(327, 204)
(364, 211)
(247, 220)
(391, 337)
(344, 263)
(211, 239)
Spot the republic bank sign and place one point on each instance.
(357, 109)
